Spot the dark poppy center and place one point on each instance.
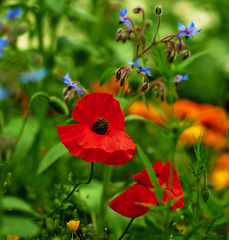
(100, 126)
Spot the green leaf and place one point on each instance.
(149, 122)
(123, 102)
(19, 226)
(53, 154)
(11, 203)
(56, 7)
(83, 16)
(107, 75)
(157, 190)
(26, 141)
(178, 69)
(227, 137)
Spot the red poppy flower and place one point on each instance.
(99, 137)
(135, 201)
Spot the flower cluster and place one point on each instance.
(136, 200)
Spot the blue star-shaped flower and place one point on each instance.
(180, 78)
(12, 14)
(4, 93)
(3, 43)
(68, 81)
(141, 69)
(35, 76)
(124, 19)
(188, 31)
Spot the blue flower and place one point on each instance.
(3, 43)
(188, 31)
(12, 14)
(124, 19)
(4, 93)
(68, 81)
(141, 69)
(180, 78)
(35, 76)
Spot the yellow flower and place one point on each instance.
(9, 237)
(73, 225)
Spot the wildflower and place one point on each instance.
(9, 237)
(141, 69)
(135, 201)
(4, 93)
(188, 31)
(73, 225)
(99, 137)
(68, 81)
(12, 14)
(35, 76)
(3, 43)
(180, 78)
(124, 19)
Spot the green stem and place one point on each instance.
(197, 203)
(38, 94)
(125, 231)
(73, 190)
(107, 173)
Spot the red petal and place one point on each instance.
(115, 148)
(128, 203)
(97, 105)
(178, 203)
(143, 177)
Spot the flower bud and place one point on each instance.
(205, 193)
(137, 10)
(158, 10)
(73, 225)
(145, 86)
(57, 105)
(118, 75)
(148, 23)
(186, 56)
(171, 97)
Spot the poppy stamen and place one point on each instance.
(100, 126)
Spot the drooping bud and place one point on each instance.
(158, 10)
(145, 86)
(148, 23)
(137, 10)
(118, 75)
(186, 56)
(205, 193)
(57, 105)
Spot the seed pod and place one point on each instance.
(158, 10)
(57, 105)
(205, 193)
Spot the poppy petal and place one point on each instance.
(131, 202)
(99, 105)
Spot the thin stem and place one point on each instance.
(154, 39)
(38, 94)
(73, 190)
(125, 231)
(107, 173)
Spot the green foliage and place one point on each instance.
(53, 155)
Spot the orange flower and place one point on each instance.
(111, 86)
(220, 174)
(73, 225)
(9, 237)
(152, 113)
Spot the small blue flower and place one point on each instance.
(188, 31)
(4, 93)
(35, 76)
(180, 78)
(3, 43)
(124, 19)
(141, 69)
(12, 14)
(68, 81)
